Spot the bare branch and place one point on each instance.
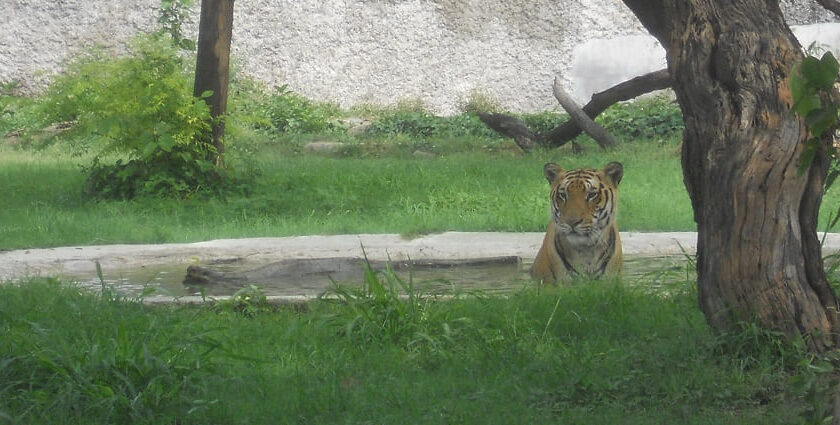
(630, 89)
(514, 128)
(831, 5)
(509, 126)
(604, 138)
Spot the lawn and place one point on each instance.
(298, 194)
(602, 352)
(598, 353)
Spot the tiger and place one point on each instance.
(582, 238)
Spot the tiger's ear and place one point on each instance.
(551, 171)
(615, 171)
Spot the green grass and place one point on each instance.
(300, 194)
(599, 353)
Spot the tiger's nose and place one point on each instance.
(574, 223)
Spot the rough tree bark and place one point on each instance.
(215, 29)
(758, 255)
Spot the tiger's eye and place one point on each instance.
(591, 195)
(561, 195)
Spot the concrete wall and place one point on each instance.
(374, 51)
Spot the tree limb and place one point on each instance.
(509, 126)
(604, 138)
(831, 5)
(514, 128)
(630, 89)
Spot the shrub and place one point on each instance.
(290, 112)
(139, 108)
(421, 124)
(650, 118)
(479, 101)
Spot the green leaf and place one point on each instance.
(807, 104)
(149, 150)
(818, 74)
(166, 142)
(820, 120)
(798, 86)
(807, 156)
(206, 93)
(830, 65)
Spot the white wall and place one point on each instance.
(373, 51)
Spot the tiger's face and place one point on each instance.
(583, 201)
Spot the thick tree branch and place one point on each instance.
(604, 138)
(831, 5)
(514, 128)
(630, 89)
(509, 126)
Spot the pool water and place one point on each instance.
(503, 276)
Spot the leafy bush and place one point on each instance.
(543, 122)
(173, 14)
(647, 119)
(139, 108)
(422, 124)
(17, 113)
(478, 101)
(389, 309)
(290, 112)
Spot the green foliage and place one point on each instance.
(592, 353)
(387, 308)
(290, 112)
(127, 371)
(18, 114)
(478, 101)
(643, 119)
(248, 301)
(139, 108)
(815, 98)
(812, 85)
(173, 14)
(750, 345)
(817, 384)
(423, 125)
(543, 122)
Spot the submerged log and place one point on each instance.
(301, 268)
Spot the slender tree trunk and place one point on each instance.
(215, 29)
(758, 255)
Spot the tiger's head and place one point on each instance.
(583, 201)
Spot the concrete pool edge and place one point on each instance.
(81, 260)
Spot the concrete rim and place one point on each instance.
(81, 260)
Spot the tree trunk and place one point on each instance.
(215, 29)
(758, 255)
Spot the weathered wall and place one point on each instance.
(358, 51)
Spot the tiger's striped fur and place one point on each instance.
(582, 238)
